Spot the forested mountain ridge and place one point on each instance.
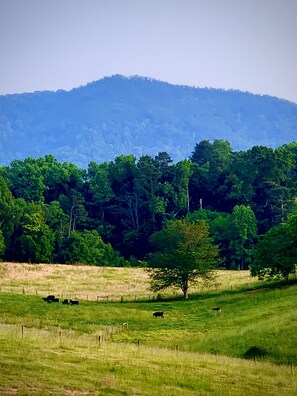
(119, 115)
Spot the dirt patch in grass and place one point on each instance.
(257, 290)
(9, 391)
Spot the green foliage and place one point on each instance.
(26, 180)
(184, 253)
(100, 183)
(236, 234)
(243, 234)
(277, 252)
(255, 352)
(239, 194)
(181, 178)
(2, 244)
(57, 220)
(8, 213)
(88, 247)
(73, 205)
(36, 240)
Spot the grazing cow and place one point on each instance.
(55, 300)
(49, 298)
(73, 302)
(217, 309)
(156, 314)
(65, 301)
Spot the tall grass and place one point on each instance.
(55, 349)
(101, 283)
(46, 365)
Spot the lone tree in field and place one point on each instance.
(277, 252)
(184, 253)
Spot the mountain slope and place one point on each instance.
(119, 115)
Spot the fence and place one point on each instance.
(58, 333)
(88, 297)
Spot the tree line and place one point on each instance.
(108, 213)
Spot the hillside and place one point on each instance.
(119, 115)
(113, 347)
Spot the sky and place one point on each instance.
(250, 45)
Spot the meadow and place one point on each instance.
(115, 346)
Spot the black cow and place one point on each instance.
(217, 309)
(55, 300)
(49, 298)
(65, 301)
(73, 302)
(156, 314)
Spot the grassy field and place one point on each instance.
(119, 348)
(92, 283)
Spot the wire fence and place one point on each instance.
(30, 291)
(58, 333)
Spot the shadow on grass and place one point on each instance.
(263, 286)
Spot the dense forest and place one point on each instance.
(105, 215)
(120, 116)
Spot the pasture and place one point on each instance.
(51, 348)
(92, 283)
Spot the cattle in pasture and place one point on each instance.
(65, 301)
(55, 300)
(49, 298)
(217, 309)
(158, 314)
(73, 302)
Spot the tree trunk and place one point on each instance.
(70, 220)
(186, 294)
(185, 286)
(188, 199)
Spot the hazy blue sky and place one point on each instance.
(249, 45)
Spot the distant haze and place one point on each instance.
(121, 116)
(60, 44)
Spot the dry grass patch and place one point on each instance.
(84, 282)
(100, 283)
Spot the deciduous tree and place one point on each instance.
(243, 233)
(277, 252)
(184, 254)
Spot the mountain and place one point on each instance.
(135, 115)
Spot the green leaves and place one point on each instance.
(239, 194)
(2, 244)
(184, 252)
(36, 241)
(277, 252)
(26, 180)
(87, 247)
(243, 233)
